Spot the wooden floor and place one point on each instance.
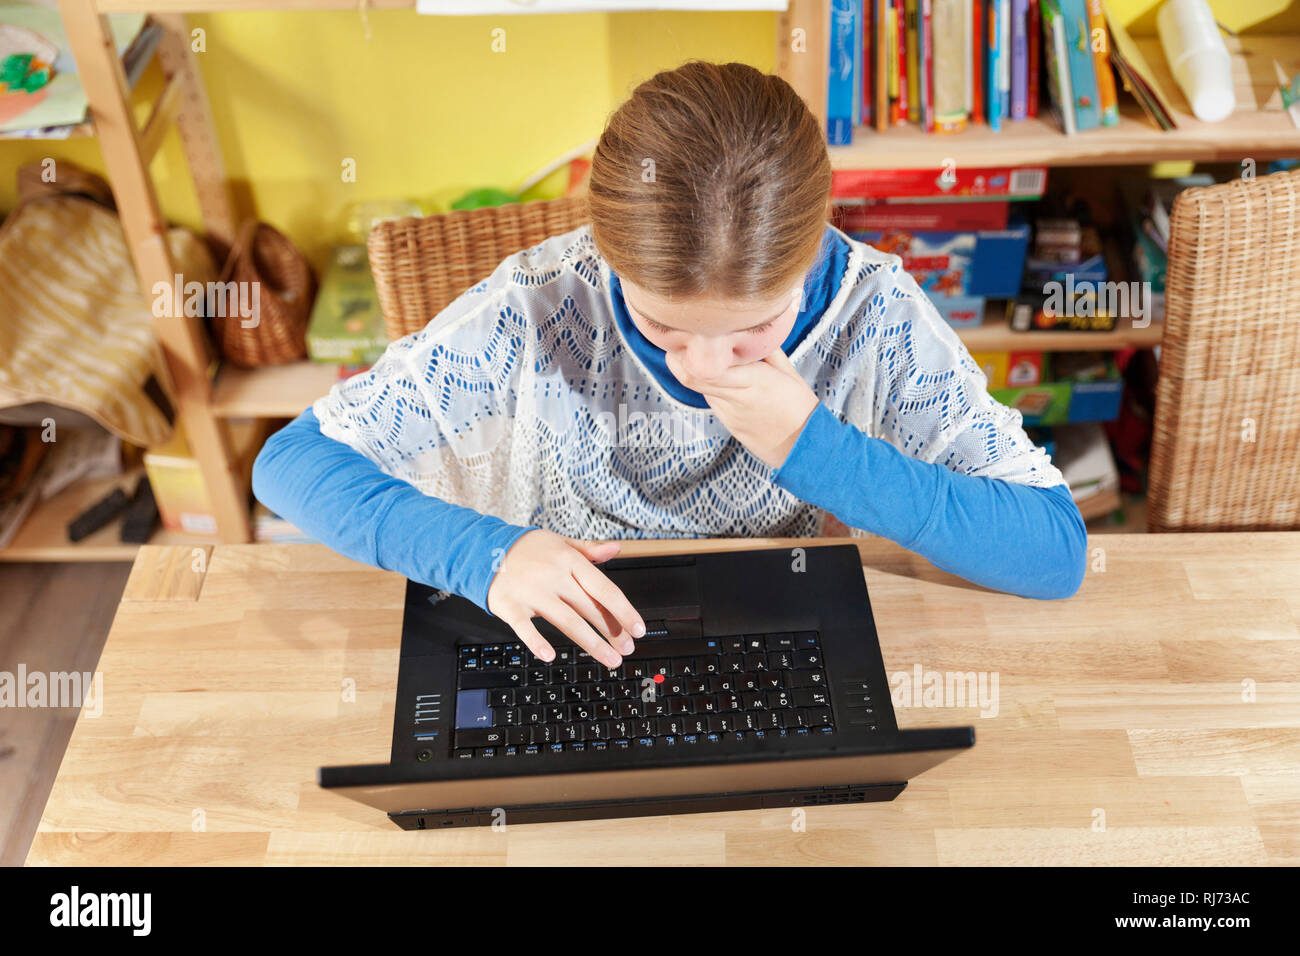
(53, 617)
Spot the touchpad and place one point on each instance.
(671, 591)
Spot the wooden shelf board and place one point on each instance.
(995, 335)
(1099, 505)
(218, 6)
(1258, 129)
(44, 535)
(276, 391)
(79, 131)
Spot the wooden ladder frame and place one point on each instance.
(128, 152)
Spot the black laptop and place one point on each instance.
(759, 683)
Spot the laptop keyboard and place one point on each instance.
(676, 692)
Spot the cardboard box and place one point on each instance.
(1025, 369)
(1012, 369)
(1085, 397)
(959, 270)
(954, 182)
(994, 365)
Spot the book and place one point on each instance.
(839, 95)
(977, 61)
(858, 30)
(1083, 75)
(904, 103)
(868, 71)
(1099, 44)
(347, 324)
(950, 50)
(57, 108)
(1019, 59)
(993, 89)
(880, 20)
(1136, 74)
(968, 59)
(913, 60)
(1004, 61)
(1058, 74)
(925, 22)
(1035, 57)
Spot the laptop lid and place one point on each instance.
(592, 777)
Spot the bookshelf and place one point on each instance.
(1258, 130)
(44, 535)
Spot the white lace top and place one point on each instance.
(522, 399)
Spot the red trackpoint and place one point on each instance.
(659, 678)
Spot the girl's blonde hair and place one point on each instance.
(712, 180)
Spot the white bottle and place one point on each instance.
(1197, 57)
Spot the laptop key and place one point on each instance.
(802, 678)
(811, 697)
(808, 658)
(472, 709)
(486, 737)
(489, 680)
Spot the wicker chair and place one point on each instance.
(1226, 450)
(421, 264)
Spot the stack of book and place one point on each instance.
(944, 65)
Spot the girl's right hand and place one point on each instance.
(546, 575)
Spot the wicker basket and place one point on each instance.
(286, 289)
(421, 265)
(1226, 449)
(70, 179)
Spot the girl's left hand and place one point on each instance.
(764, 404)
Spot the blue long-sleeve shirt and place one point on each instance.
(1011, 537)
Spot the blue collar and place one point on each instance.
(820, 287)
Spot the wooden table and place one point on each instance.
(1153, 718)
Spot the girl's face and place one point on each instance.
(708, 336)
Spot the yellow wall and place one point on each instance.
(425, 108)
(1263, 16)
(428, 111)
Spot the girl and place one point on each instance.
(708, 357)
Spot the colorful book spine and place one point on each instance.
(977, 60)
(925, 21)
(968, 63)
(993, 90)
(1019, 59)
(1033, 29)
(1083, 75)
(950, 47)
(1004, 61)
(881, 20)
(857, 60)
(891, 59)
(904, 104)
(1057, 59)
(1099, 43)
(868, 61)
(913, 67)
(840, 93)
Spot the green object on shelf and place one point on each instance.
(487, 196)
(16, 73)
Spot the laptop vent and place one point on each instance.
(839, 796)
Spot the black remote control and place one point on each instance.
(98, 515)
(142, 515)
